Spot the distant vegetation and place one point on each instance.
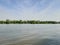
(7, 21)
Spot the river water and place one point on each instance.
(29, 34)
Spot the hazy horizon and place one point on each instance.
(44, 10)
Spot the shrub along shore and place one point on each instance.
(7, 21)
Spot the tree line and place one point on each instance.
(7, 21)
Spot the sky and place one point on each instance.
(44, 10)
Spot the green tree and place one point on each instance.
(7, 21)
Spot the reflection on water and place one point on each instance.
(30, 34)
(48, 42)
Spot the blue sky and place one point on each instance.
(30, 9)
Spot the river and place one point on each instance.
(29, 34)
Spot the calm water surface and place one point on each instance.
(29, 34)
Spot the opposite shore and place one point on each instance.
(7, 21)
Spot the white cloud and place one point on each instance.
(21, 12)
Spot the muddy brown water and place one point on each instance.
(29, 34)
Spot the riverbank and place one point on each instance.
(27, 22)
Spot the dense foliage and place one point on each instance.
(27, 22)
